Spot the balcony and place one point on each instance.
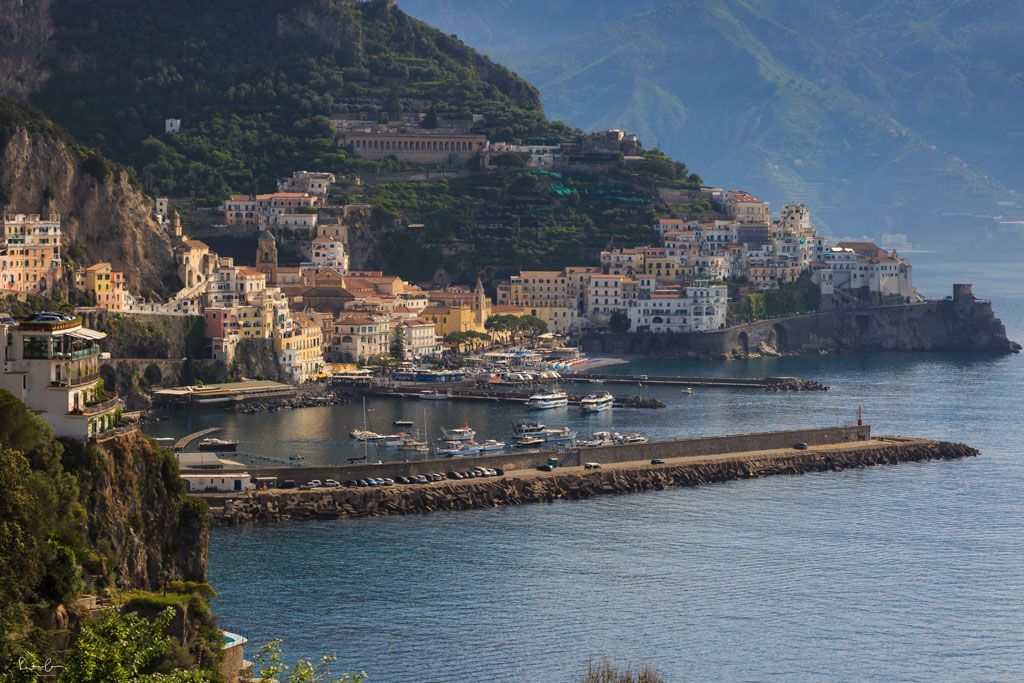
(76, 381)
(98, 408)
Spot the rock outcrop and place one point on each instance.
(106, 217)
(137, 517)
(269, 506)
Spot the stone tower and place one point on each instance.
(480, 307)
(266, 256)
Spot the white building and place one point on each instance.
(53, 367)
(172, 125)
(419, 339)
(697, 308)
(327, 252)
(316, 183)
(219, 482)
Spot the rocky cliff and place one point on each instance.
(106, 217)
(138, 519)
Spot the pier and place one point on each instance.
(521, 485)
(183, 443)
(763, 383)
(501, 396)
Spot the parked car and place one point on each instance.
(371, 482)
(657, 461)
(421, 479)
(387, 481)
(591, 465)
(401, 480)
(362, 482)
(800, 446)
(331, 483)
(545, 468)
(351, 482)
(315, 483)
(287, 484)
(455, 475)
(436, 476)
(499, 472)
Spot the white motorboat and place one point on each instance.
(413, 445)
(465, 433)
(596, 403)
(558, 435)
(431, 395)
(529, 442)
(598, 439)
(687, 390)
(492, 445)
(634, 438)
(554, 399)
(364, 435)
(453, 449)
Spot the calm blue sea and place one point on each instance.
(913, 572)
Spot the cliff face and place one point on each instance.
(105, 217)
(138, 518)
(25, 30)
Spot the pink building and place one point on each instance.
(30, 253)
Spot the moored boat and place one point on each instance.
(451, 449)
(464, 433)
(217, 445)
(558, 435)
(528, 428)
(431, 395)
(364, 435)
(529, 442)
(403, 423)
(546, 401)
(492, 445)
(596, 403)
(634, 438)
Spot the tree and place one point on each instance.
(268, 666)
(398, 344)
(117, 647)
(619, 322)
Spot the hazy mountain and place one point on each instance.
(885, 115)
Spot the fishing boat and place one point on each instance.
(413, 445)
(558, 435)
(217, 445)
(364, 435)
(492, 445)
(596, 403)
(554, 399)
(634, 438)
(529, 442)
(431, 395)
(465, 433)
(403, 423)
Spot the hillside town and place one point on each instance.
(318, 311)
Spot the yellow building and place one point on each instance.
(449, 319)
(299, 348)
(105, 287)
(663, 267)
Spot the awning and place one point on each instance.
(86, 333)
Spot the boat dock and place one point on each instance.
(182, 443)
(519, 397)
(763, 383)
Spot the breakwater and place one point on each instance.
(493, 396)
(765, 383)
(521, 487)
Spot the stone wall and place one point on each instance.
(274, 506)
(675, 448)
(960, 324)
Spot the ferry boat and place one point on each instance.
(554, 399)
(431, 395)
(217, 445)
(492, 445)
(596, 403)
(465, 433)
(528, 428)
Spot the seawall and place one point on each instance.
(960, 324)
(576, 483)
(606, 455)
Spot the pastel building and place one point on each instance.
(105, 287)
(53, 367)
(30, 253)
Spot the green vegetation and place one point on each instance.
(619, 321)
(790, 298)
(517, 327)
(257, 84)
(605, 672)
(268, 665)
(508, 221)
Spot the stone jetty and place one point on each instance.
(575, 483)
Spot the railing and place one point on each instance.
(97, 408)
(76, 381)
